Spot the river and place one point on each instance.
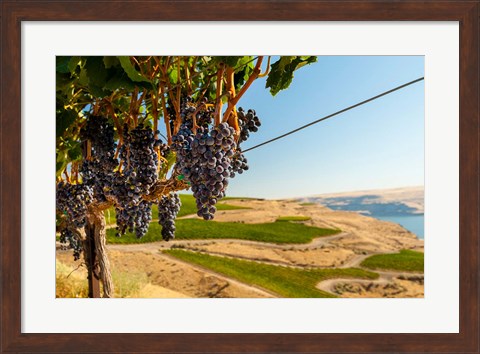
(413, 223)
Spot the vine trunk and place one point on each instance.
(96, 256)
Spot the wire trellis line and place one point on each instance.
(335, 114)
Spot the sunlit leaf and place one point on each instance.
(73, 63)
(110, 61)
(132, 73)
(281, 72)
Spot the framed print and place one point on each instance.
(263, 116)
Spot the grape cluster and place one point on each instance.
(239, 162)
(181, 144)
(141, 158)
(212, 151)
(204, 159)
(210, 156)
(248, 122)
(67, 236)
(186, 108)
(127, 187)
(98, 170)
(163, 148)
(204, 115)
(134, 217)
(168, 208)
(139, 175)
(72, 200)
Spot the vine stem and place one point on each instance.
(138, 103)
(268, 68)
(96, 107)
(155, 124)
(117, 152)
(155, 113)
(75, 171)
(192, 68)
(187, 76)
(115, 121)
(120, 165)
(76, 94)
(166, 80)
(233, 118)
(218, 103)
(132, 102)
(67, 177)
(166, 118)
(205, 90)
(89, 149)
(139, 66)
(194, 116)
(164, 187)
(178, 121)
(233, 102)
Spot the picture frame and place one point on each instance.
(14, 12)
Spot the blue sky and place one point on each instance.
(378, 145)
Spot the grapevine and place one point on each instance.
(110, 112)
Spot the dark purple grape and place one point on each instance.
(72, 201)
(168, 208)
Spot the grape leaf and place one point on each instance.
(98, 91)
(132, 73)
(97, 74)
(64, 118)
(61, 162)
(75, 152)
(110, 61)
(305, 61)
(73, 63)
(118, 81)
(173, 76)
(243, 71)
(244, 62)
(83, 77)
(60, 166)
(281, 72)
(229, 61)
(63, 81)
(62, 64)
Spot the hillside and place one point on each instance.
(306, 251)
(380, 202)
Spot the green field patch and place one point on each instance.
(276, 232)
(284, 281)
(294, 218)
(241, 198)
(188, 207)
(406, 260)
(153, 235)
(307, 204)
(197, 229)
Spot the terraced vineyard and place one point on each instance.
(291, 250)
